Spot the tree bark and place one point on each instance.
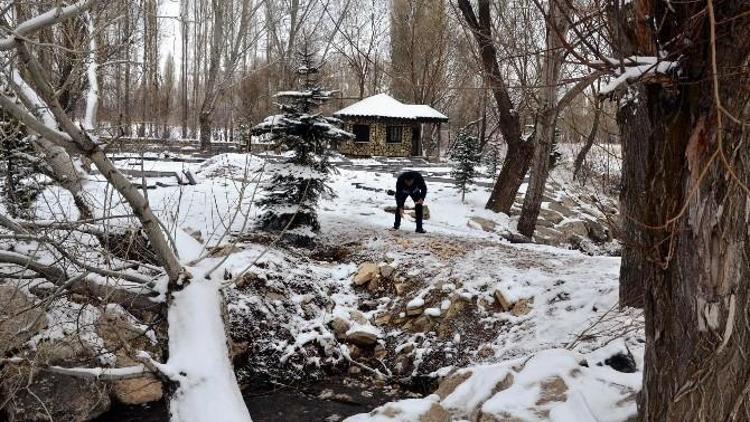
(636, 131)
(695, 205)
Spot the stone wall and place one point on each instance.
(378, 145)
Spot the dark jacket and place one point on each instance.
(417, 191)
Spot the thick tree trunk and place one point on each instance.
(695, 204)
(532, 201)
(512, 174)
(518, 157)
(697, 296)
(557, 27)
(636, 132)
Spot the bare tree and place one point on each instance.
(29, 96)
(229, 36)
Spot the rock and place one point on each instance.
(504, 303)
(415, 307)
(340, 327)
(436, 413)
(422, 324)
(548, 235)
(364, 338)
(483, 223)
(552, 389)
(400, 288)
(383, 319)
(365, 273)
(449, 385)
(573, 229)
(425, 213)
(138, 390)
(20, 320)
(552, 216)
(521, 308)
(562, 209)
(622, 362)
(386, 270)
(597, 231)
(416, 311)
(358, 317)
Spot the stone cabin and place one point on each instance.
(384, 126)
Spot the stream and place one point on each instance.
(331, 400)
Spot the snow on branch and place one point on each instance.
(631, 72)
(31, 99)
(44, 20)
(92, 95)
(101, 374)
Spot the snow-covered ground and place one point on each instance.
(439, 313)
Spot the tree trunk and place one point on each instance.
(512, 174)
(557, 26)
(519, 153)
(636, 132)
(581, 156)
(695, 205)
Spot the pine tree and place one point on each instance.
(296, 185)
(466, 155)
(491, 160)
(21, 182)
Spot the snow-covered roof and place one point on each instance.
(383, 105)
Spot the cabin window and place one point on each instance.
(393, 134)
(361, 133)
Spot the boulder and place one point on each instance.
(483, 223)
(551, 216)
(340, 326)
(504, 303)
(573, 229)
(552, 389)
(138, 390)
(365, 273)
(597, 231)
(436, 413)
(522, 307)
(360, 337)
(449, 384)
(387, 270)
(563, 209)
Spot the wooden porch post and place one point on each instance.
(439, 139)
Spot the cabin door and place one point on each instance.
(416, 140)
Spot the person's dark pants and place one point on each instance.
(418, 210)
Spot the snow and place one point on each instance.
(567, 291)
(409, 410)
(208, 389)
(635, 72)
(92, 94)
(383, 105)
(415, 303)
(552, 382)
